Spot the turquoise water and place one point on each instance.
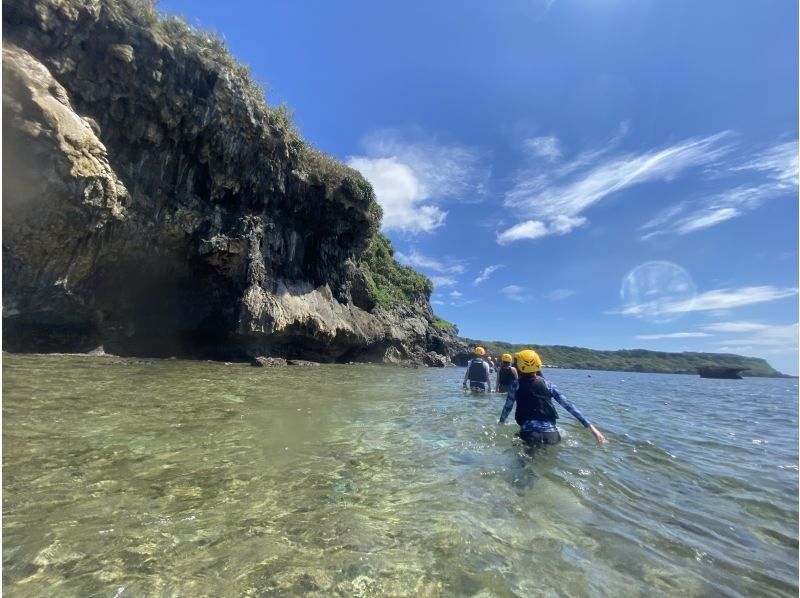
(174, 478)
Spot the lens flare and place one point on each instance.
(650, 288)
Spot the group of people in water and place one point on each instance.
(520, 377)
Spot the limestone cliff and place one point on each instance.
(154, 204)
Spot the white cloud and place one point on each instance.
(760, 334)
(718, 208)
(530, 229)
(559, 294)
(411, 178)
(537, 9)
(561, 225)
(437, 302)
(672, 335)
(759, 339)
(763, 339)
(706, 219)
(456, 294)
(778, 163)
(547, 147)
(714, 300)
(728, 298)
(418, 260)
(486, 273)
(399, 192)
(738, 326)
(443, 281)
(553, 204)
(463, 302)
(533, 229)
(719, 313)
(516, 293)
(662, 218)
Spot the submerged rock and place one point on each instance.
(715, 371)
(269, 362)
(155, 205)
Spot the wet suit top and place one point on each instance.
(533, 425)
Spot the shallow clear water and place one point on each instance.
(175, 478)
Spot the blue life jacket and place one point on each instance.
(534, 401)
(477, 372)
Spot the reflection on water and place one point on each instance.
(143, 478)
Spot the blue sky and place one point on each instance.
(600, 173)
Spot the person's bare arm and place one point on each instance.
(597, 434)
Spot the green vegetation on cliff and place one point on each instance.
(391, 281)
(443, 324)
(632, 360)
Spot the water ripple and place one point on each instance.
(185, 478)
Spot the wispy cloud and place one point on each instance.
(713, 300)
(778, 165)
(760, 339)
(443, 281)
(672, 335)
(730, 298)
(688, 217)
(705, 218)
(463, 302)
(559, 294)
(486, 273)
(780, 162)
(738, 326)
(538, 9)
(554, 200)
(548, 147)
(516, 293)
(456, 294)
(411, 178)
(759, 334)
(419, 260)
(756, 338)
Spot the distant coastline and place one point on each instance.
(630, 360)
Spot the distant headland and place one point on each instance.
(632, 360)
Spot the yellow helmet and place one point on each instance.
(480, 351)
(506, 358)
(528, 361)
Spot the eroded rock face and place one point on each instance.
(152, 205)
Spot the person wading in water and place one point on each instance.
(477, 373)
(506, 374)
(535, 412)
